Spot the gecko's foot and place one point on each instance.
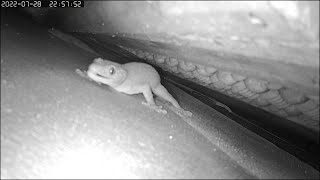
(182, 113)
(81, 73)
(155, 107)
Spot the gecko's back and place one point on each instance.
(141, 74)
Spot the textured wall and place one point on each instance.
(271, 47)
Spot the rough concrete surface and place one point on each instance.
(55, 124)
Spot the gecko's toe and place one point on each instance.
(159, 110)
(144, 103)
(181, 112)
(188, 113)
(80, 73)
(155, 107)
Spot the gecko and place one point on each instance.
(132, 78)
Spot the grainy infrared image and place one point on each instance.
(160, 89)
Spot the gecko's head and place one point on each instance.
(107, 72)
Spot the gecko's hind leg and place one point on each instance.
(162, 92)
(147, 93)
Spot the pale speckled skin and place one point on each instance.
(130, 78)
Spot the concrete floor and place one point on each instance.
(55, 124)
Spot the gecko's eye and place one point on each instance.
(112, 70)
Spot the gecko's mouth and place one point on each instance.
(102, 76)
